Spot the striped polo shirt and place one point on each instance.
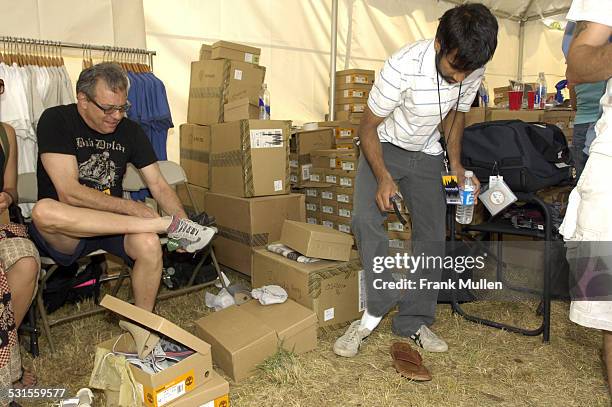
(406, 94)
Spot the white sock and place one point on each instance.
(369, 321)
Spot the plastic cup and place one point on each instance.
(515, 97)
(530, 99)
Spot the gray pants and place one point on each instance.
(418, 176)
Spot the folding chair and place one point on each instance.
(28, 193)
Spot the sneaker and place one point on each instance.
(348, 344)
(190, 235)
(428, 340)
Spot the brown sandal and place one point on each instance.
(408, 362)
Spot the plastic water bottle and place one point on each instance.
(264, 103)
(465, 211)
(540, 94)
(484, 93)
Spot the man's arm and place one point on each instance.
(590, 55)
(372, 149)
(454, 138)
(64, 173)
(161, 191)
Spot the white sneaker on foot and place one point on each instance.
(428, 340)
(348, 344)
(190, 235)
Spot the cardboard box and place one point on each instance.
(345, 211)
(505, 114)
(216, 82)
(295, 325)
(328, 194)
(214, 394)
(239, 342)
(317, 175)
(236, 52)
(563, 119)
(301, 144)
(342, 85)
(250, 158)
(475, 115)
(197, 193)
(355, 76)
(329, 221)
(195, 150)
(393, 224)
(240, 109)
(161, 388)
(314, 218)
(344, 195)
(329, 208)
(344, 225)
(361, 94)
(247, 223)
(332, 289)
(351, 107)
(205, 52)
(313, 192)
(316, 241)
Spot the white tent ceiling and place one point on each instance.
(526, 10)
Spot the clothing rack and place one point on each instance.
(85, 47)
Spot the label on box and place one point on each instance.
(306, 171)
(327, 209)
(344, 133)
(343, 198)
(327, 195)
(293, 178)
(345, 213)
(238, 74)
(356, 79)
(352, 93)
(344, 228)
(312, 192)
(331, 179)
(222, 401)
(173, 390)
(328, 314)
(293, 163)
(328, 223)
(315, 177)
(348, 166)
(362, 291)
(395, 227)
(346, 182)
(396, 244)
(358, 108)
(278, 185)
(311, 207)
(332, 163)
(312, 221)
(266, 138)
(248, 57)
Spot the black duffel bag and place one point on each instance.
(530, 156)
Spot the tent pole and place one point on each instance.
(519, 73)
(332, 60)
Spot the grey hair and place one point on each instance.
(110, 72)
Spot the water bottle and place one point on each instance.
(540, 94)
(484, 93)
(465, 210)
(264, 103)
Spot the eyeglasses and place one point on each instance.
(108, 110)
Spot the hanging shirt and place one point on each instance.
(101, 158)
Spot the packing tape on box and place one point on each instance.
(195, 155)
(206, 93)
(247, 163)
(226, 159)
(349, 269)
(310, 126)
(254, 240)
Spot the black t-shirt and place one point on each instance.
(102, 158)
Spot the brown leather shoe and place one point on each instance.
(408, 362)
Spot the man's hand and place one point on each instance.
(142, 211)
(461, 181)
(5, 201)
(386, 189)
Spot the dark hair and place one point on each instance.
(470, 29)
(109, 72)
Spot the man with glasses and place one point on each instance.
(83, 151)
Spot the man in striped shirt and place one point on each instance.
(425, 84)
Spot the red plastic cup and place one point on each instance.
(516, 98)
(530, 99)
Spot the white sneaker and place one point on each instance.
(190, 235)
(428, 340)
(348, 344)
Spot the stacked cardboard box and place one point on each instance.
(352, 90)
(195, 150)
(562, 118)
(302, 143)
(345, 133)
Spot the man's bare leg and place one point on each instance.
(607, 345)
(145, 250)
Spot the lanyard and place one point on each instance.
(450, 131)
